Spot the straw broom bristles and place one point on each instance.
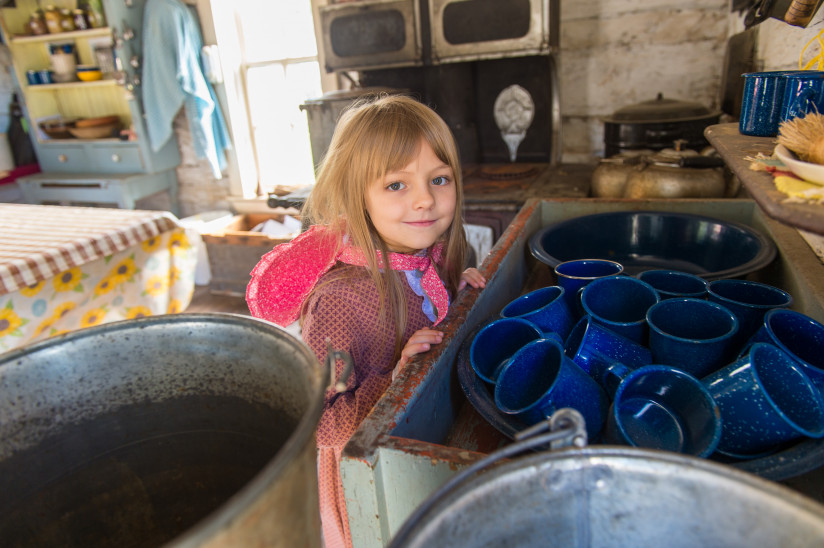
(804, 136)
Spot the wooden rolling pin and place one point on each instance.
(800, 12)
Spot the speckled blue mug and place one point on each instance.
(539, 379)
(803, 93)
(545, 307)
(749, 301)
(496, 342)
(762, 102)
(765, 399)
(596, 349)
(674, 283)
(692, 334)
(661, 407)
(797, 334)
(620, 303)
(574, 275)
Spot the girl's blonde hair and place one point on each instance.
(374, 137)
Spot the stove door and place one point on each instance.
(469, 30)
(371, 34)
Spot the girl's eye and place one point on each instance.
(440, 181)
(397, 185)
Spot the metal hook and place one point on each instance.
(332, 356)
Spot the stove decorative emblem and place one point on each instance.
(514, 110)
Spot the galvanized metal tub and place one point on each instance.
(617, 497)
(185, 430)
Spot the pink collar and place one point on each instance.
(285, 276)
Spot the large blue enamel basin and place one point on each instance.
(645, 240)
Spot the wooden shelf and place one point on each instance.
(62, 36)
(71, 85)
(735, 148)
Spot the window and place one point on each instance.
(270, 63)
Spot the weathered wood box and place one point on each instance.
(234, 250)
(424, 429)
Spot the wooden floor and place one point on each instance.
(204, 301)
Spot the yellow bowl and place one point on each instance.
(89, 75)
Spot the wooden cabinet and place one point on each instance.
(117, 94)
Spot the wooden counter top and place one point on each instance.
(735, 148)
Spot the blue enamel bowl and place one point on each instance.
(653, 240)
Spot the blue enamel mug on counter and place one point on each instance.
(803, 93)
(765, 399)
(762, 102)
(545, 307)
(540, 379)
(662, 407)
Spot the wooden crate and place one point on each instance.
(234, 250)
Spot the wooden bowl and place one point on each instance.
(100, 121)
(57, 129)
(96, 132)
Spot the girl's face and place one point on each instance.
(412, 207)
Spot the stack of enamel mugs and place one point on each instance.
(661, 360)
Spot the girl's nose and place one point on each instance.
(423, 197)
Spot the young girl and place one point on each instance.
(375, 273)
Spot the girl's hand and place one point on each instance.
(472, 277)
(420, 341)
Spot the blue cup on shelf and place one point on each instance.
(620, 303)
(762, 102)
(662, 407)
(766, 400)
(692, 334)
(545, 307)
(33, 77)
(803, 93)
(539, 379)
(46, 76)
(799, 336)
(674, 283)
(749, 301)
(496, 342)
(596, 349)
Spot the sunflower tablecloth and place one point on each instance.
(65, 268)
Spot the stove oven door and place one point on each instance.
(371, 34)
(469, 30)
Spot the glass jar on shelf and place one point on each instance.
(36, 26)
(95, 15)
(52, 18)
(66, 20)
(81, 22)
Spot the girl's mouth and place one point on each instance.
(421, 224)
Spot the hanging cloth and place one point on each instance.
(173, 77)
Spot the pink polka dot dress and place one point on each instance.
(344, 308)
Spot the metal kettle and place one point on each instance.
(670, 173)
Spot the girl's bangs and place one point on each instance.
(400, 146)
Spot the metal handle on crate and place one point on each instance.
(566, 427)
(332, 356)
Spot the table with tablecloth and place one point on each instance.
(65, 268)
